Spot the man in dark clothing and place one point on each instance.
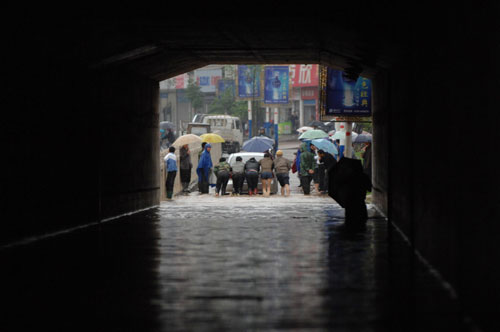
(252, 170)
(238, 175)
(185, 167)
(348, 185)
(199, 156)
(327, 159)
(307, 165)
(367, 159)
(170, 137)
(329, 162)
(223, 172)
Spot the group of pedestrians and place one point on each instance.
(249, 171)
(312, 165)
(171, 168)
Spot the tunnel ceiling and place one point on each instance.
(352, 40)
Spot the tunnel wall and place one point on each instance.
(129, 168)
(438, 171)
(78, 146)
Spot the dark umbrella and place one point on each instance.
(257, 144)
(166, 125)
(363, 138)
(316, 124)
(348, 185)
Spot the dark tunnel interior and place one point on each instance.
(80, 112)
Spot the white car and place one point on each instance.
(245, 156)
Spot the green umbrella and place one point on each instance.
(313, 134)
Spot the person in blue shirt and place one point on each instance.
(340, 149)
(203, 170)
(171, 167)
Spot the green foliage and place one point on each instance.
(194, 94)
(227, 104)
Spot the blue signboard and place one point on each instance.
(225, 84)
(248, 81)
(347, 97)
(276, 85)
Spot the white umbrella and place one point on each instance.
(341, 135)
(304, 129)
(187, 139)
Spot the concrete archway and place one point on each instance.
(81, 103)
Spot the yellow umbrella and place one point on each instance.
(187, 139)
(212, 138)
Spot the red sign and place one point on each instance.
(303, 75)
(181, 81)
(309, 93)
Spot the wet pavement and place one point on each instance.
(205, 263)
(202, 263)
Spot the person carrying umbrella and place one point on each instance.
(170, 136)
(185, 167)
(203, 169)
(199, 157)
(329, 162)
(319, 171)
(307, 165)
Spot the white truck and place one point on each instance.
(230, 128)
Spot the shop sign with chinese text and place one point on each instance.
(304, 75)
(346, 97)
(276, 85)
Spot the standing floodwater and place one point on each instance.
(265, 264)
(201, 263)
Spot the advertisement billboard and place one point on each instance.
(347, 97)
(248, 81)
(304, 75)
(276, 85)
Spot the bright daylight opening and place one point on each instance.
(247, 111)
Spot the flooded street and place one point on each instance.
(264, 263)
(206, 263)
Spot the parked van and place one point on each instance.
(230, 128)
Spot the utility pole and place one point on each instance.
(348, 140)
(249, 119)
(276, 118)
(266, 124)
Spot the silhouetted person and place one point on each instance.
(185, 167)
(367, 159)
(348, 185)
(170, 137)
(329, 162)
(171, 166)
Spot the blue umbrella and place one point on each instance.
(363, 138)
(258, 144)
(325, 145)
